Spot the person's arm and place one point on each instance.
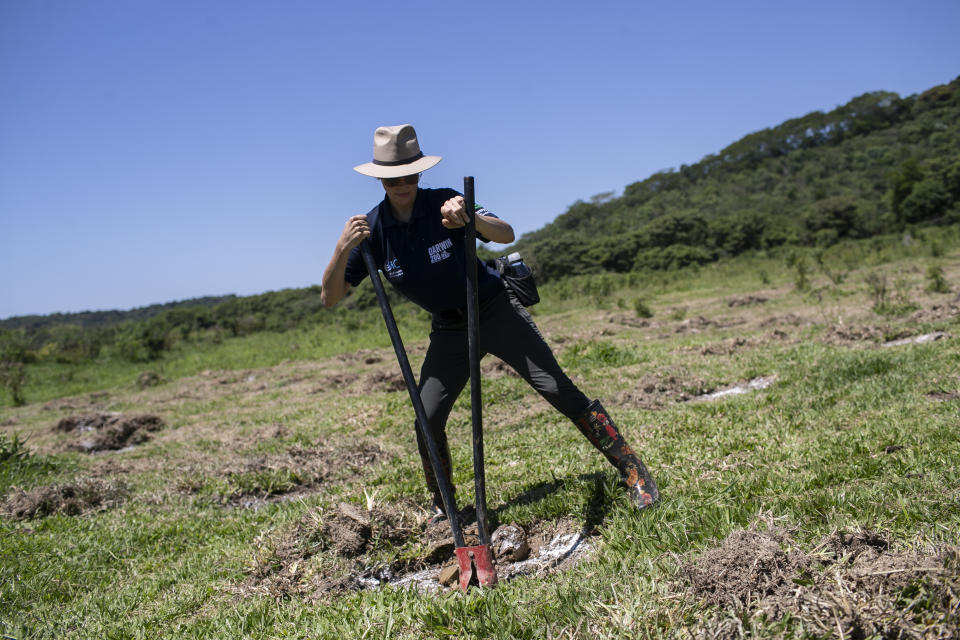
(335, 285)
(454, 213)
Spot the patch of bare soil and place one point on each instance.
(77, 498)
(366, 356)
(262, 478)
(848, 334)
(726, 347)
(746, 301)
(630, 320)
(695, 324)
(108, 431)
(656, 390)
(937, 312)
(336, 381)
(790, 319)
(330, 553)
(853, 584)
(385, 380)
(492, 368)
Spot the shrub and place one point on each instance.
(641, 308)
(936, 283)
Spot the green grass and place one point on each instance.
(849, 435)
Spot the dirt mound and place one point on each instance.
(694, 325)
(656, 390)
(746, 567)
(791, 319)
(726, 347)
(336, 381)
(851, 334)
(109, 431)
(72, 499)
(366, 356)
(319, 554)
(496, 368)
(937, 313)
(853, 583)
(348, 548)
(389, 381)
(746, 301)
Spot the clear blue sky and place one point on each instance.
(153, 151)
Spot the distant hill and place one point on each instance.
(874, 165)
(103, 319)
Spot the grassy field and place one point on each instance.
(269, 487)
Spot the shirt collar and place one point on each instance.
(387, 211)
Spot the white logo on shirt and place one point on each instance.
(393, 270)
(440, 251)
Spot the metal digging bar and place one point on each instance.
(446, 491)
(478, 557)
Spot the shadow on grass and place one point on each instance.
(597, 505)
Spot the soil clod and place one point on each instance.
(109, 431)
(73, 499)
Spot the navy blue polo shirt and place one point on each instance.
(422, 259)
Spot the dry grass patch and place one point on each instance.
(254, 478)
(853, 584)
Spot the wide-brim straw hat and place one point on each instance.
(396, 153)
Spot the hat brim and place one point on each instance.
(398, 170)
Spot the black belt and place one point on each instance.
(457, 316)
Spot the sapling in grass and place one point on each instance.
(936, 282)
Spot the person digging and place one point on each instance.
(416, 236)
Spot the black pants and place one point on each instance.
(507, 331)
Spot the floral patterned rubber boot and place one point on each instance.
(595, 423)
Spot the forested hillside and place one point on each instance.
(107, 318)
(874, 165)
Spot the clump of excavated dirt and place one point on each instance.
(73, 499)
(746, 567)
(856, 584)
(319, 555)
(109, 431)
(694, 325)
(348, 548)
(852, 334)
(337, 381)
(366, 356)
(936, 313)
(726, 347)
(496, 368)
(657, 390)
(746, 301)
(385, 381)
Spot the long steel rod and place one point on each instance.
(473, 340)
(446, 491)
